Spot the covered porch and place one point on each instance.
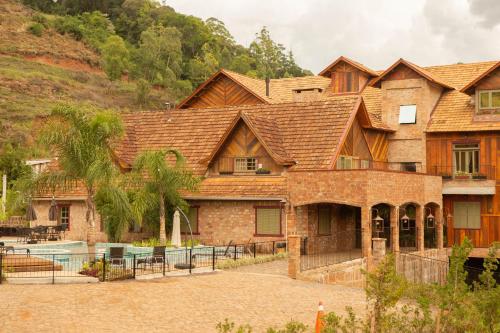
(337, 213)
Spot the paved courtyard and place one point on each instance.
(259, 295)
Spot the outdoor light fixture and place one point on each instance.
(405, 221)
(430, 219)
(379, 222)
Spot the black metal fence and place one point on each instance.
(324, 250)
(68, 267)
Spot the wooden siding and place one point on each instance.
(440, 154)
(379, 145)
(223, 91)
(355, 143)
(401, 72)
(242, 143)
(338, 83)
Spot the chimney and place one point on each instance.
(268, 81)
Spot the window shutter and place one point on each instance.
(268, 221)
(459, 215)
(474, 215)
(226, 165)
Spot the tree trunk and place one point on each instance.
(163, 237)
(90, 219)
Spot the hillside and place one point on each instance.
(36, 73)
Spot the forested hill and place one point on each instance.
(119, 54)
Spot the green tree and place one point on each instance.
(159, 55)
(159, 182)
(115, 56)
(143, 89)
(81, 138)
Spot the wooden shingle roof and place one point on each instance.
(308, 132)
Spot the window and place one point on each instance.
(489, 99)
(245, 164)
(409, 166)
(466, 158)
(344, 162)
(192, 215)
(324, 220)
(466, 215)
(64, 216)
(408, 114)
(268, 221)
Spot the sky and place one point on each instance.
(373, 32)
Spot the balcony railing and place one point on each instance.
(355, 164)
(484, 172)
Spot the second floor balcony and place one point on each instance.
(477, 179)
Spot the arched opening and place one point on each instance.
(383, 230)
(408, 227)
(431, 211)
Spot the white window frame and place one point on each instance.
(247, 162)
(405, 119)
(463, 154)
(490, 99)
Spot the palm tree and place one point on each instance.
(81, 138)
(158, 182)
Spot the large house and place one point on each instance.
(337, 158)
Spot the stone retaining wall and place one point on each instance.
(347, 273)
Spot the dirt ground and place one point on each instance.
(260, 295)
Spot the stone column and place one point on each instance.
(419, 221)
(293, 256)
(366, 232)
(439, 227)
(379, 245)
(395, 229)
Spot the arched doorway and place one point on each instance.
(408, 227)
(431, 211)
(384, 211)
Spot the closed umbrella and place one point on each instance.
(176, 230)
(53, 210)
(30, 213)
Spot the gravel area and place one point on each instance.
(258, 295)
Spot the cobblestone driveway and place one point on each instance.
(259, 297)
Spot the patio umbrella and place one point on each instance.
(53, 210)
(30, 213)
(176, 230)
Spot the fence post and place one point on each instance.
(273, 247)
(254, 250)
(133, 265)
(53, 268)
(213, 258)
(235, 252)
(104, 267)
(190, 259)
(1, 264)
(164, 261)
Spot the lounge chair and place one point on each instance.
(116, 256)
(158, 256)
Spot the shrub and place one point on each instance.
(39, 18)
(228, 264)
(36, 29)
(69, 25)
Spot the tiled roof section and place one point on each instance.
(197, 132)
(351, 62)
(70, 190)
(469, 88)
(268, 130)
(454, 112)
(373, 103)
(421, 71)
(241, 187)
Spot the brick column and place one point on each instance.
(439, 227)
(395, 229)
(419, 221)
(293, 256)
(291, 220)
(366, 232)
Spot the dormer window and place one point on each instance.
(245, 164)
(489, 99)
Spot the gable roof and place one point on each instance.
(309, 132)
(468, 89)
(251, 85)
(454, 112)
(351, 62)
(265, 129)
(419, 70)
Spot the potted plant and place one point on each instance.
(478, 176)
(262, 171)
(462, 175)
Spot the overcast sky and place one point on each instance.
(373, 32)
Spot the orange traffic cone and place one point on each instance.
(319, 318)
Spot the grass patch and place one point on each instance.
(229, 264)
